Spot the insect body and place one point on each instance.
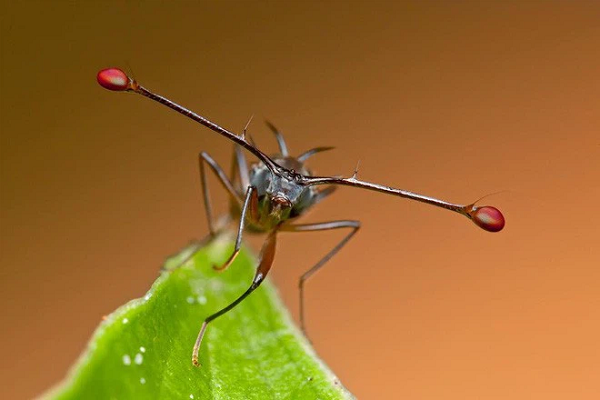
(276, 191)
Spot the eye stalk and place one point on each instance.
(486, 217)
(116, 80)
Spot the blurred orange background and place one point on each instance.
(451, 100)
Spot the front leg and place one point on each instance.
(267, 255)
(251, 202)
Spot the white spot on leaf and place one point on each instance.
(126, 359)
(138, 359)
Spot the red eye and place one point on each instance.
(113, 79)
(488, 218)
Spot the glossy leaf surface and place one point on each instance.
(143, 349)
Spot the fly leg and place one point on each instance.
(239, 164)
(267, 254)
(250, 202)
(203, 158)
(239, 167)
(322, 226)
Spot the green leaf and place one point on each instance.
(143, 349)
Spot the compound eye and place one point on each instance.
(113, 79)
(488, 218)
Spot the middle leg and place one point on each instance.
(267, 255)
(322, 226)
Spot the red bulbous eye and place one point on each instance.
(113, 79)
(488, 218)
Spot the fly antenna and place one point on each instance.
(116, 80)
(486, 217)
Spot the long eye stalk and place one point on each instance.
(116, 80)
(486, 217)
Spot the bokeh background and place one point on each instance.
(452, 100)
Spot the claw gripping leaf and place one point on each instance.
(143, 349)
